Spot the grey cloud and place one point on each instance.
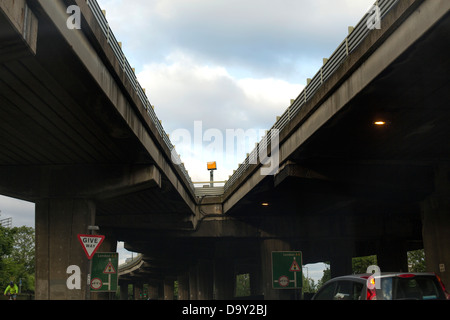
(265, 36)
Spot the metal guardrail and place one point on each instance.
(350, 43)
(125, 65)
(209, 191)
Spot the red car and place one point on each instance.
(386, 286)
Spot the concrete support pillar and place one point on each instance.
(153, 291)
(193, 275)
(256, 285)
(201, 280)
(168, 288)
(224, 279)
(124, 291)
(183, 287)
(58, 222)
(205, 280)
(267, 247)
(392, 256)
(341, 258)
(436, 226)
(436, 236)
(138, 290)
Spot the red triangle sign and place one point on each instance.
(109, 269)
(295, 267)
(90, 243)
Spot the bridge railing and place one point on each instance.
(350, 43)
(128, 70)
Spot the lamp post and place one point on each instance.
(212, 166)
(91, 230)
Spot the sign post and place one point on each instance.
(287, 270)
(90, 244)
(104, 273)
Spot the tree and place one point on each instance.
(17, 257)
(416, 261)
(360, 264)
(326, 276)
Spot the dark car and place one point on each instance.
(386, 286)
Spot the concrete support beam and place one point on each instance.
(58, 221)
(17, 16)
(291, 169)
(89, 181)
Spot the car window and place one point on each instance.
(327, 292)
(419, 287)
(348, 290)
(340, 290)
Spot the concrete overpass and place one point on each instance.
(346, 187)
(81, 140)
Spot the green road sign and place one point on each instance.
(104, 272)
(287, 270)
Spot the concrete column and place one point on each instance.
(341, 255)
(168, 288)
(392, 256)
(193, 275)
(267, 247)
(153, 291)
(205, 280)
(183, 287)
(58, 222)
(138, 289)
(256, 285)
(436, 236)
(224, 279)
(201, 280)
(124, 291)
(436, 226)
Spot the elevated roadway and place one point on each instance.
(82, 141)
(347, 185)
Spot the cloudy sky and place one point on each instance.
(225, 64)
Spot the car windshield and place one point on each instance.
(417, 287)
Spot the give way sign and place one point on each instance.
(90, 243)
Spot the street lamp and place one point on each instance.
(212, 166)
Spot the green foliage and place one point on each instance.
(360, 264)
(416, 261)
(243, 285)
(326, 276)
(17, 257)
